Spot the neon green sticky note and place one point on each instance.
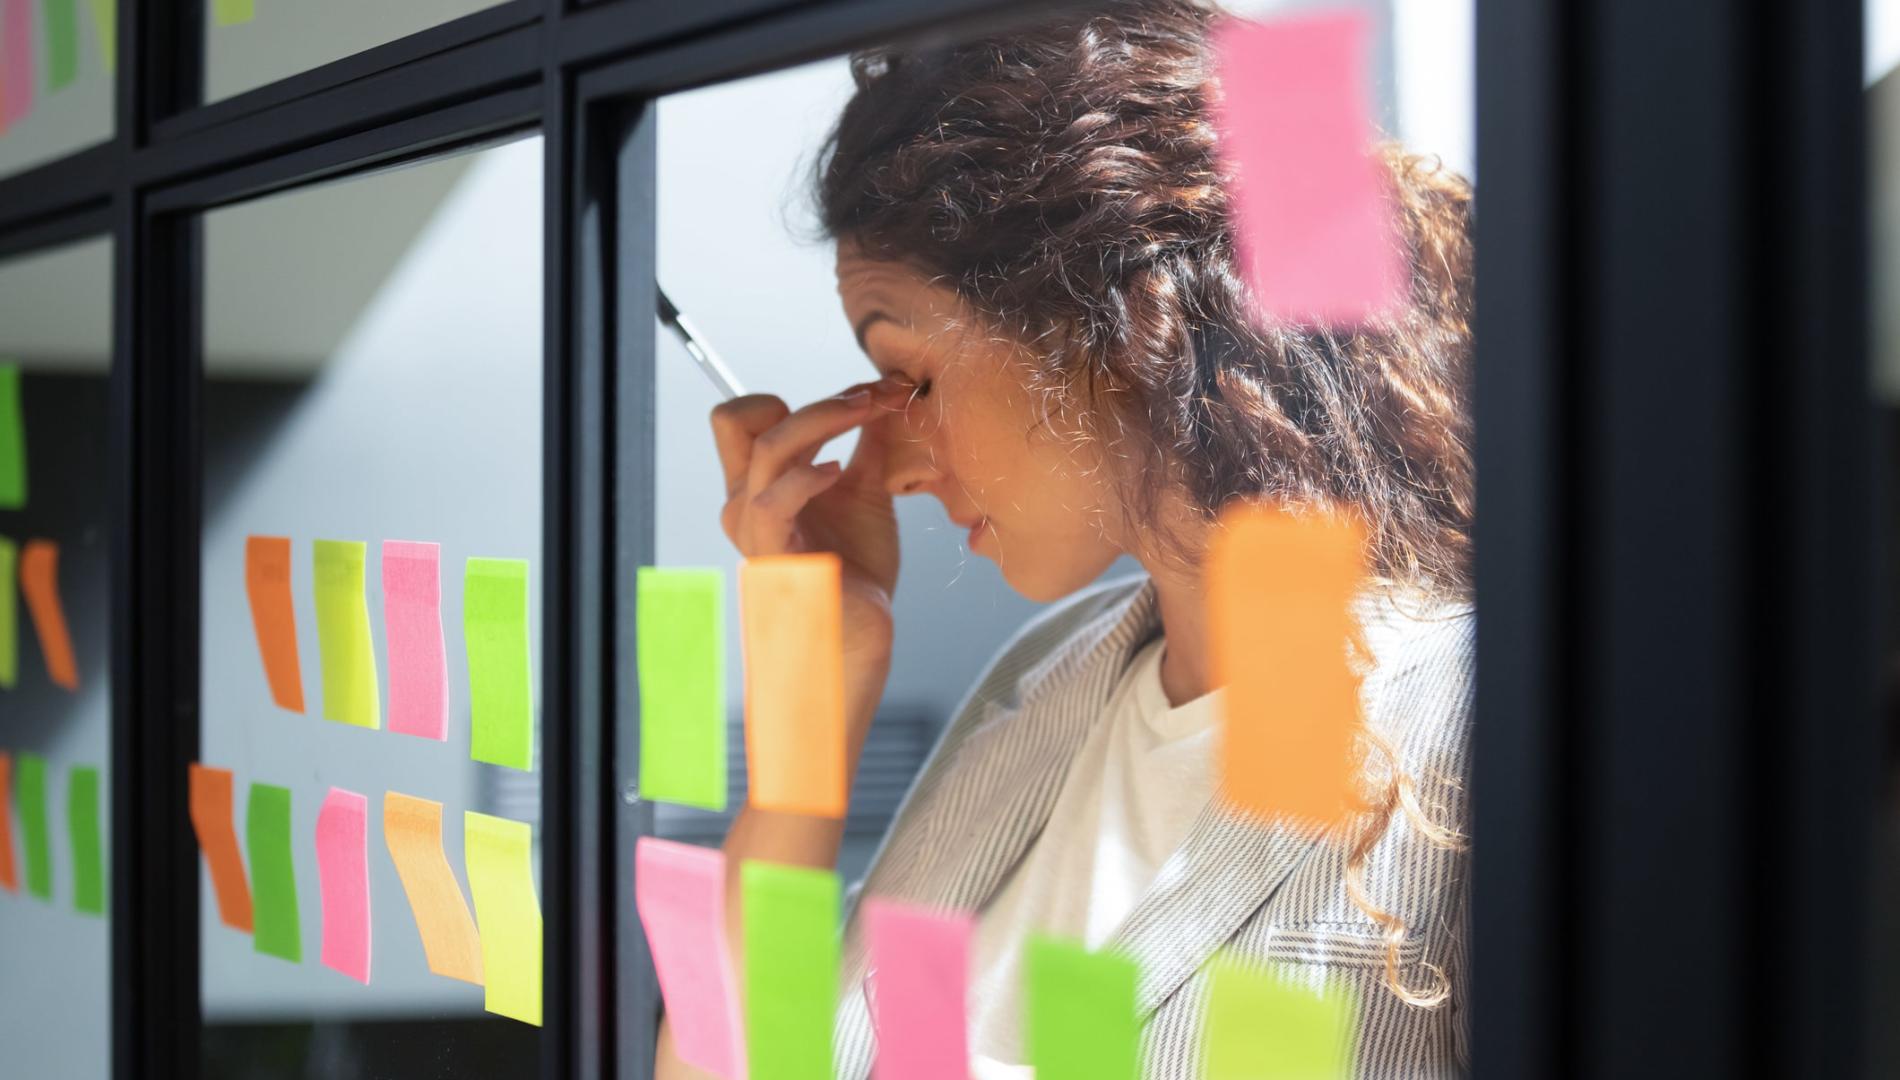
(30, 791)
(82, 824)
(350, 688)
(9, 613)
(232, 12)
(1261, 1026)
(500, 857)
(61, 19)
(1081, 1023)
(680, 639)
(274, 926)
(105, 26)
(790, 938)
(12, 440)
(500, 682)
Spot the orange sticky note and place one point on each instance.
(274, 616)
(211, 820)
(39, 580)
(791, 608)
(9, 876)
(412, 828)
(1279, 595)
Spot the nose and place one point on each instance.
(910, 465)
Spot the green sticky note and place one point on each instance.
(232, 12)
(105, 25)
(1081, 1023)
(500, 681)
(29, 790)
(9, 613)
(680, 639)
(350, 693)
(1261, 1026)
(61, 18)
(12, 440)
(274, 927)
(82, 823)
(791, 969)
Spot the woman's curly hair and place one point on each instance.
(1066, 178)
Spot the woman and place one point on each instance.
(1035, 251)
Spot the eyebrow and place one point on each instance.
(864, 326)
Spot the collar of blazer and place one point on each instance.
(990, 790)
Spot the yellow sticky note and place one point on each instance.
(500, 857)
(1280, 588)
(1261, 1026)
(350, 689)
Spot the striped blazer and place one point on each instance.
(1256, 891)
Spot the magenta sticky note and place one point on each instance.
(343, 879)
(412, 624)
(680, 891)
(916, 988)
(1312, 203)
(16, 61)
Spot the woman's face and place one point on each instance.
(1034, 499)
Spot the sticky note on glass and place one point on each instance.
(232, 12)
(39, 582)
(31, 793)
(680, 640)
(500, 675)
(82, 828)
(1260, 1026)
(9, 871)
(790, 937)
(9, 615)
(343, 882)
(412, 627)
(61, 20)
(211, 820)
(1312, 204)
(1280, 591)
(1081, 1023)
(680, 891)
(350, 688)
(273, 873)
(274, 616)
(791, 611)
(917, 989)
(105, 26)
(412, 828)
(16, 61)
(500, 858)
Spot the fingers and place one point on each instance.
(796, 439)
(736, 425)
(771, 516)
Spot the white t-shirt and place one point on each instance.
(1140, 779)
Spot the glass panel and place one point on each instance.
(55, 717)
(1063, 300)
(251, 44)
(1882, 73)
(372, 373)
(55, 80)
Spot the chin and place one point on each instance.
(1047, 582)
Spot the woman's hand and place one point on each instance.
(778, 502)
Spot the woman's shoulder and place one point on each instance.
(1421, 673)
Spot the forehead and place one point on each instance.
(900, 291)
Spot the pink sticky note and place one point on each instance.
(916, 987)
(343, 877)
(16, 60)
(1312, 203)
(412, 623)
(680, 890)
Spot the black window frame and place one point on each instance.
(1676, 736)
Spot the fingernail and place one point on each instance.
(857, 395)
